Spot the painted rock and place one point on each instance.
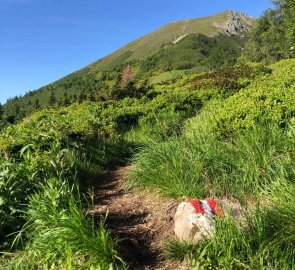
(194, 219)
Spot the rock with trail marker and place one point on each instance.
(194, 219)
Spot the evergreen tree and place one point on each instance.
(52, 98)
(217, 58)
(82, 96)
(66, 100)
(129, 90)
(75, 98)
(1, 111)
(16, 109)
(92, 96)
(36, 104)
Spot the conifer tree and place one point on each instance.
(66, 100)
(75, 98)
(92, 96)
(52, 98)
(1, 111)
(36, 104)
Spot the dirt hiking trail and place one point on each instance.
(141, 219)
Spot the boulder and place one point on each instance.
(194, 219)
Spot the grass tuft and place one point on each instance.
(61, 235)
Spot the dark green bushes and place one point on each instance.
(231, 78)
(196, 51)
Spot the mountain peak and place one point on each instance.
(237, 23)
(228, 22)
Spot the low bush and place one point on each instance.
(230, 78)
(267, 100)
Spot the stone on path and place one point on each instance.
(194, 219)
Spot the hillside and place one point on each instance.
(228, 134)
(228, 22)
(189, 46)
(93, 167)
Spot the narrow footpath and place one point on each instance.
(142, 221)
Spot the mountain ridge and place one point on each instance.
(193, 45)
(228, 22)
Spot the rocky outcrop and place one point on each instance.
(237, 23)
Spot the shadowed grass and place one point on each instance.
(62, 236)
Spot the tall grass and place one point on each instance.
(170, 167)
(204, 164)
(156, 127)
(61, 235)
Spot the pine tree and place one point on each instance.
(1, 111)
(75, 98)
(82, 97)
(36, 104)
(92, 96)
(52, 98)
(66, 100)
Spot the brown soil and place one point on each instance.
(142, 221)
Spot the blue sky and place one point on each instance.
(44, 40)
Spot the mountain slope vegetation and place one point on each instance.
(195, 45)
(225, 131)
(54, 149)
(173, 32)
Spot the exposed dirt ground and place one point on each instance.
(141, 219)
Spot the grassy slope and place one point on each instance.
(267, 103)
(151, 43)
(240, 146)
(89, 78)
(41, 156)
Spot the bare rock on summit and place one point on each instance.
(237, 23)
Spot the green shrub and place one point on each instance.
(156, 127)
(267, 100)
(231, 78)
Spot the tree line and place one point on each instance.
(272, 38)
